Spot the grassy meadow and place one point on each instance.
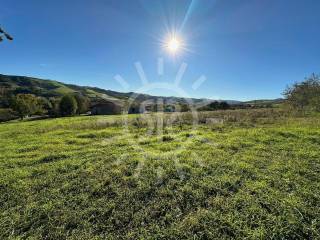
(256, 175)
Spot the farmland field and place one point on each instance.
(94, 178)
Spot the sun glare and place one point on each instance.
(173, 45)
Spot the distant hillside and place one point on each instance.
(265, 102)
(50, 88)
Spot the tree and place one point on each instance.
(82, 102)
(54, 111)
(5, 96)
(68, 105)
(214, 105)
(26, 105)
(45, 103)
(6, 114)
(224, 105)
(184, 107)
(304, 96)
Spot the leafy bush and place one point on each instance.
(167, 138)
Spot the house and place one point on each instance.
(170, 108)
(107, 107)
(140, 107)
(134, 109)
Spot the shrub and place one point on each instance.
(167, 138)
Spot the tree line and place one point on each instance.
(25, 105)
(302, 97)
(216, 105)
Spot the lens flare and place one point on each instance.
(173, 45)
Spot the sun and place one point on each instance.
(173, 45)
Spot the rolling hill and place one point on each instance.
(50, 88)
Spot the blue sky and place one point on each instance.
(247, 49)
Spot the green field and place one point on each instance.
(254, 176)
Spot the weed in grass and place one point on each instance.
(167, 138)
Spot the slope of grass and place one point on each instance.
(92, 178)
(51, 88)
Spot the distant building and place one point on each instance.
(141, 107)
(134, 109)
(170, 108)
(150, 106)
(111, 107)
(107, 107)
